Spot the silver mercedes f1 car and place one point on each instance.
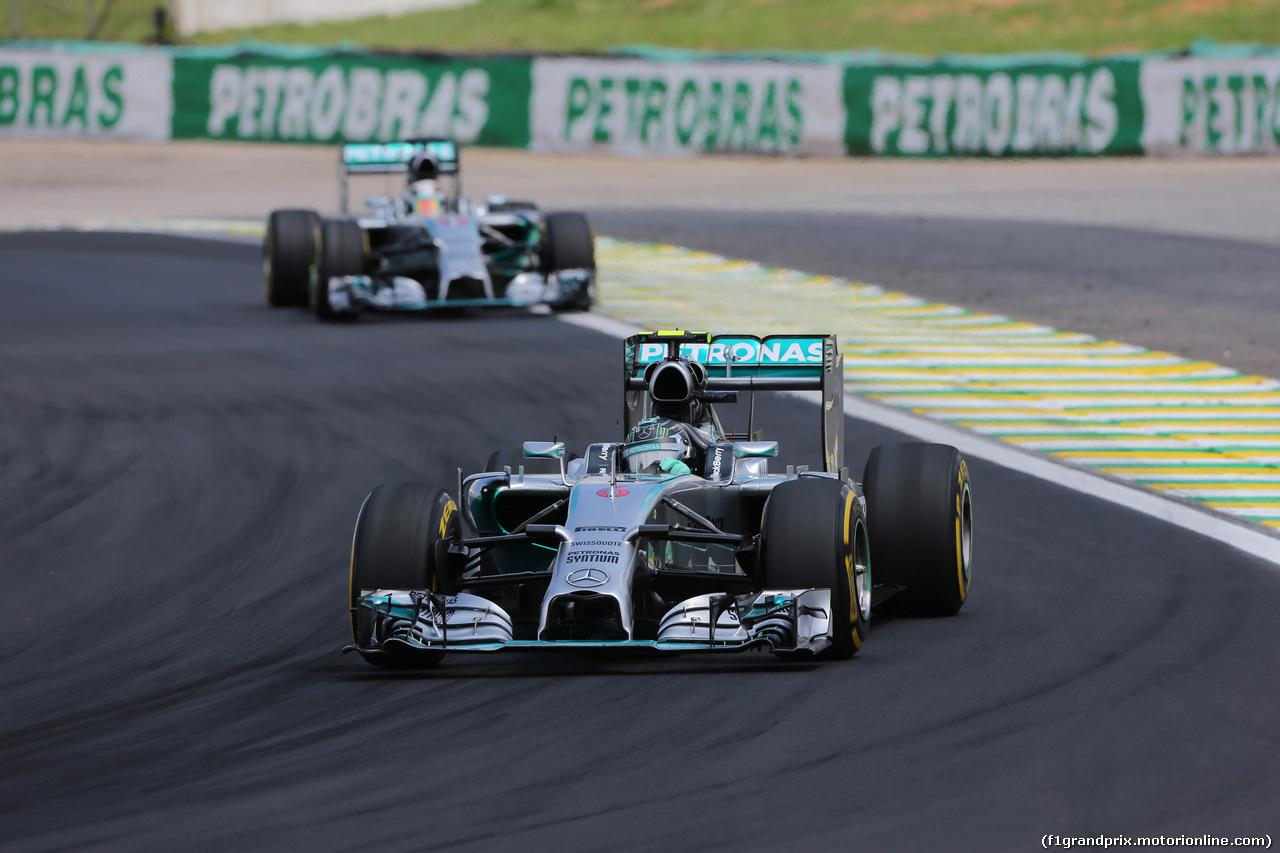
(428, 248)
(677, 537)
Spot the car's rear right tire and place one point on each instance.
(340, 251)
(288, 250)
(919, 512)
(814, 536)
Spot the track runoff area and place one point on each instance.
(1190, 442)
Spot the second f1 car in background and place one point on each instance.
(429, 248)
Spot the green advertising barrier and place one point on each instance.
(73, 91)
(1207, 104)
(645, 107)
(339, 96)
(994, 108)
(1209, 99)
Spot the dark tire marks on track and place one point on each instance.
(180, 468)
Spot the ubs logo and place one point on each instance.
(589, 578)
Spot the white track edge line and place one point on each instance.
(1202, 520)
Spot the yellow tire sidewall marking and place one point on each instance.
(449, 509)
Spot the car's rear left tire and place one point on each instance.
(340, 250)
(814, 535)
(919, 512)
(397, 545)
(288, 250)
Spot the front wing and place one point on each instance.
(402, 624)
(352, 294)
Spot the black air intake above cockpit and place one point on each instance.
(672, 382)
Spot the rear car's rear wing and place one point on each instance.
(380, 158)
(746, 363)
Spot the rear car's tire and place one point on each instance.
(919, 513)
(288, 251)
(400, 534)
(570, 245)
(340, 250)
(814, 535)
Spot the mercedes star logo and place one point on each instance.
(588, 577)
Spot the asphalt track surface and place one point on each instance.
(180, 469)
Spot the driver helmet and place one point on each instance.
(652, 441)
(424, 198)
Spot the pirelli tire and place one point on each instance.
(570, 245)
(288, 251)
(920, 515)
(340, 250)
(401, 534)
(814, 535)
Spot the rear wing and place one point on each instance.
(381, 158)
(746, 363)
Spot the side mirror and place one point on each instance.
(547, 450)
(544, 449)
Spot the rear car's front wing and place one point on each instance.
(404, 624)
(352, 294)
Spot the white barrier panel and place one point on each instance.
(202, 16)
(74, 94)
(1211, 106)
(636, 107)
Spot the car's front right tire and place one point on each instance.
(288, 250)
(570, 244)
(396, 547)
(339, 251)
